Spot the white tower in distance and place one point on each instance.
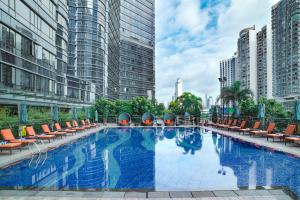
(178, 88)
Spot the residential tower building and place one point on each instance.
(286, 56)
(264, 63)
(228, 71)
(246, 59)
(178, 88)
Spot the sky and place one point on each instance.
(192, 36)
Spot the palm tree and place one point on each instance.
(234, 94)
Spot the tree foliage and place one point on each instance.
(274, 109)
(248, 108)
(188, 102)
(135, 107)
(235, 94)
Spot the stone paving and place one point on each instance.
(293, 149)
(200, 195)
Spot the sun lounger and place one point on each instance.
(84, 124)
(59, 129)
(221, 124)
(234, 123)
(269, 130)
(281, 136)
(10, 146)
(295, 139)
(9, 137)
(69, 126)
(226, 125)
(32, 135)
(255, 127)
(237, 128)
(91, 124)
(75, 124)
(47, 131)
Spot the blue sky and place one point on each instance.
(192, 36)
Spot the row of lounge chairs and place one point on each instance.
(287, 136)
(10, 142)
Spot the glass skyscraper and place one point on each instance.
(75, 51)
(34, 53)
(137, 36)
(286, 56)
(87, 33)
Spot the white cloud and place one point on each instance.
(186, 48)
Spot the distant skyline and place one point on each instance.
(192, 36)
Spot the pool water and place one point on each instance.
(161, 159)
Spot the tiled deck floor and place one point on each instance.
(209, 195)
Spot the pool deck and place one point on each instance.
(292, 149)
(6, 159)
(200, 195)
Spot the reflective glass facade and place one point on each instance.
(113, 48)
(286, 49)
(87, 32)
(137, 30)
(34, 50)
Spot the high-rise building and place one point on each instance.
(113, 48)
(137, 38)
(178, 88)
(209, 102)
(246, 60)
(286, 48)
(33, 59)
(228, 71)
(264, 63)
(87, 35)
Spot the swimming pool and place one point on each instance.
(161, 159)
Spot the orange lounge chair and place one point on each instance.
(255, 127)
(169, 122)
(91, 124)
(59, 129)
(213, 124)
(234, 123)
(8, 136)
(84, 124)
(221, 123)
(237, 128)
(69, 126)
(269, 130)
(295, 140)
(75, 124)
(281, 136)
(32, 135)
(226, 125)
(47, 131)
(10, 146)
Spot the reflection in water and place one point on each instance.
(155, 158)
(190, 140)
(169, 132)
(257, 167)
